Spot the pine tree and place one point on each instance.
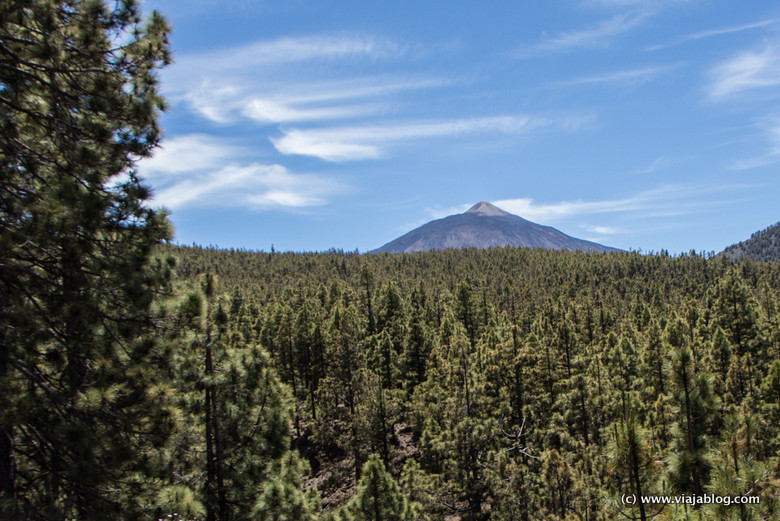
(632, 460)
(378, 496)
(78, 106)
(558, 479)
(737, 472)
(737, 313)
(282, 498)
(235, 417)
(689, 460)
(419, 341)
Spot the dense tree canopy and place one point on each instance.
(501, 384)
(524, 384)
(108, 409)
(78, 106)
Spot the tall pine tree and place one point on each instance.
(78, 106)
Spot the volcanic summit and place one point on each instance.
(486, 226)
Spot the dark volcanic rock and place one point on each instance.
(486, 226)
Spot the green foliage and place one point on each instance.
(122, 394)
(689, 464)
(499, 384)
(378, 496)
(234, 414)
(519, 384)
(282, 498)
(632, 462)
(78, 361)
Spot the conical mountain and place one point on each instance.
(486, 226)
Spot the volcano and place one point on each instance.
(486, 226)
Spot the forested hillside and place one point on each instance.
(516, 383)
(763, 246)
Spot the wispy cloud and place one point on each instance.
(664, 201)
(542, 212)
(657, 164)
(291, 50)
(198, 170)
(229, 99)
(770, 158)
(667, 200)
(277, 81)
(747, 71)
(714, 32)
(371, 142)
(656, 4)
(313, 102)
(254, 186)
(187, 153)
(229, 102)
(771, 130)
(598, 35)
(629, 77)
(602, 230)
(277, 111)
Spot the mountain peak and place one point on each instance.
(485, 226)
(485, 208)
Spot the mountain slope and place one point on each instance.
(762, 246)
(486, 226)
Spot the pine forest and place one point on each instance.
(140, 379)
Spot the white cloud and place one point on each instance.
(771, 129)
(355, 88)
(529, 209)
(255, 186)
(634, 3)
(266, 102)
(283, 198)
(269, 111)
(267, 80)
(216, 101)
(598, 35)
(370, 142)
(288, 50)
(187, 153)
(327, 146)
(770, 158)
(602, 230)
(200, 170)
(715, 32)
(664, 201)
(659, 163)
(310, 101)
(629, 76)
(747, 71)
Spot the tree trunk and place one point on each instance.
(697, 488)
(7, 484)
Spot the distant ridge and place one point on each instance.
(486, 226)
(763, 246)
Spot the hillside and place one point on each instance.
(763, 246)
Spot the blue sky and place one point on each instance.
(310, 125)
